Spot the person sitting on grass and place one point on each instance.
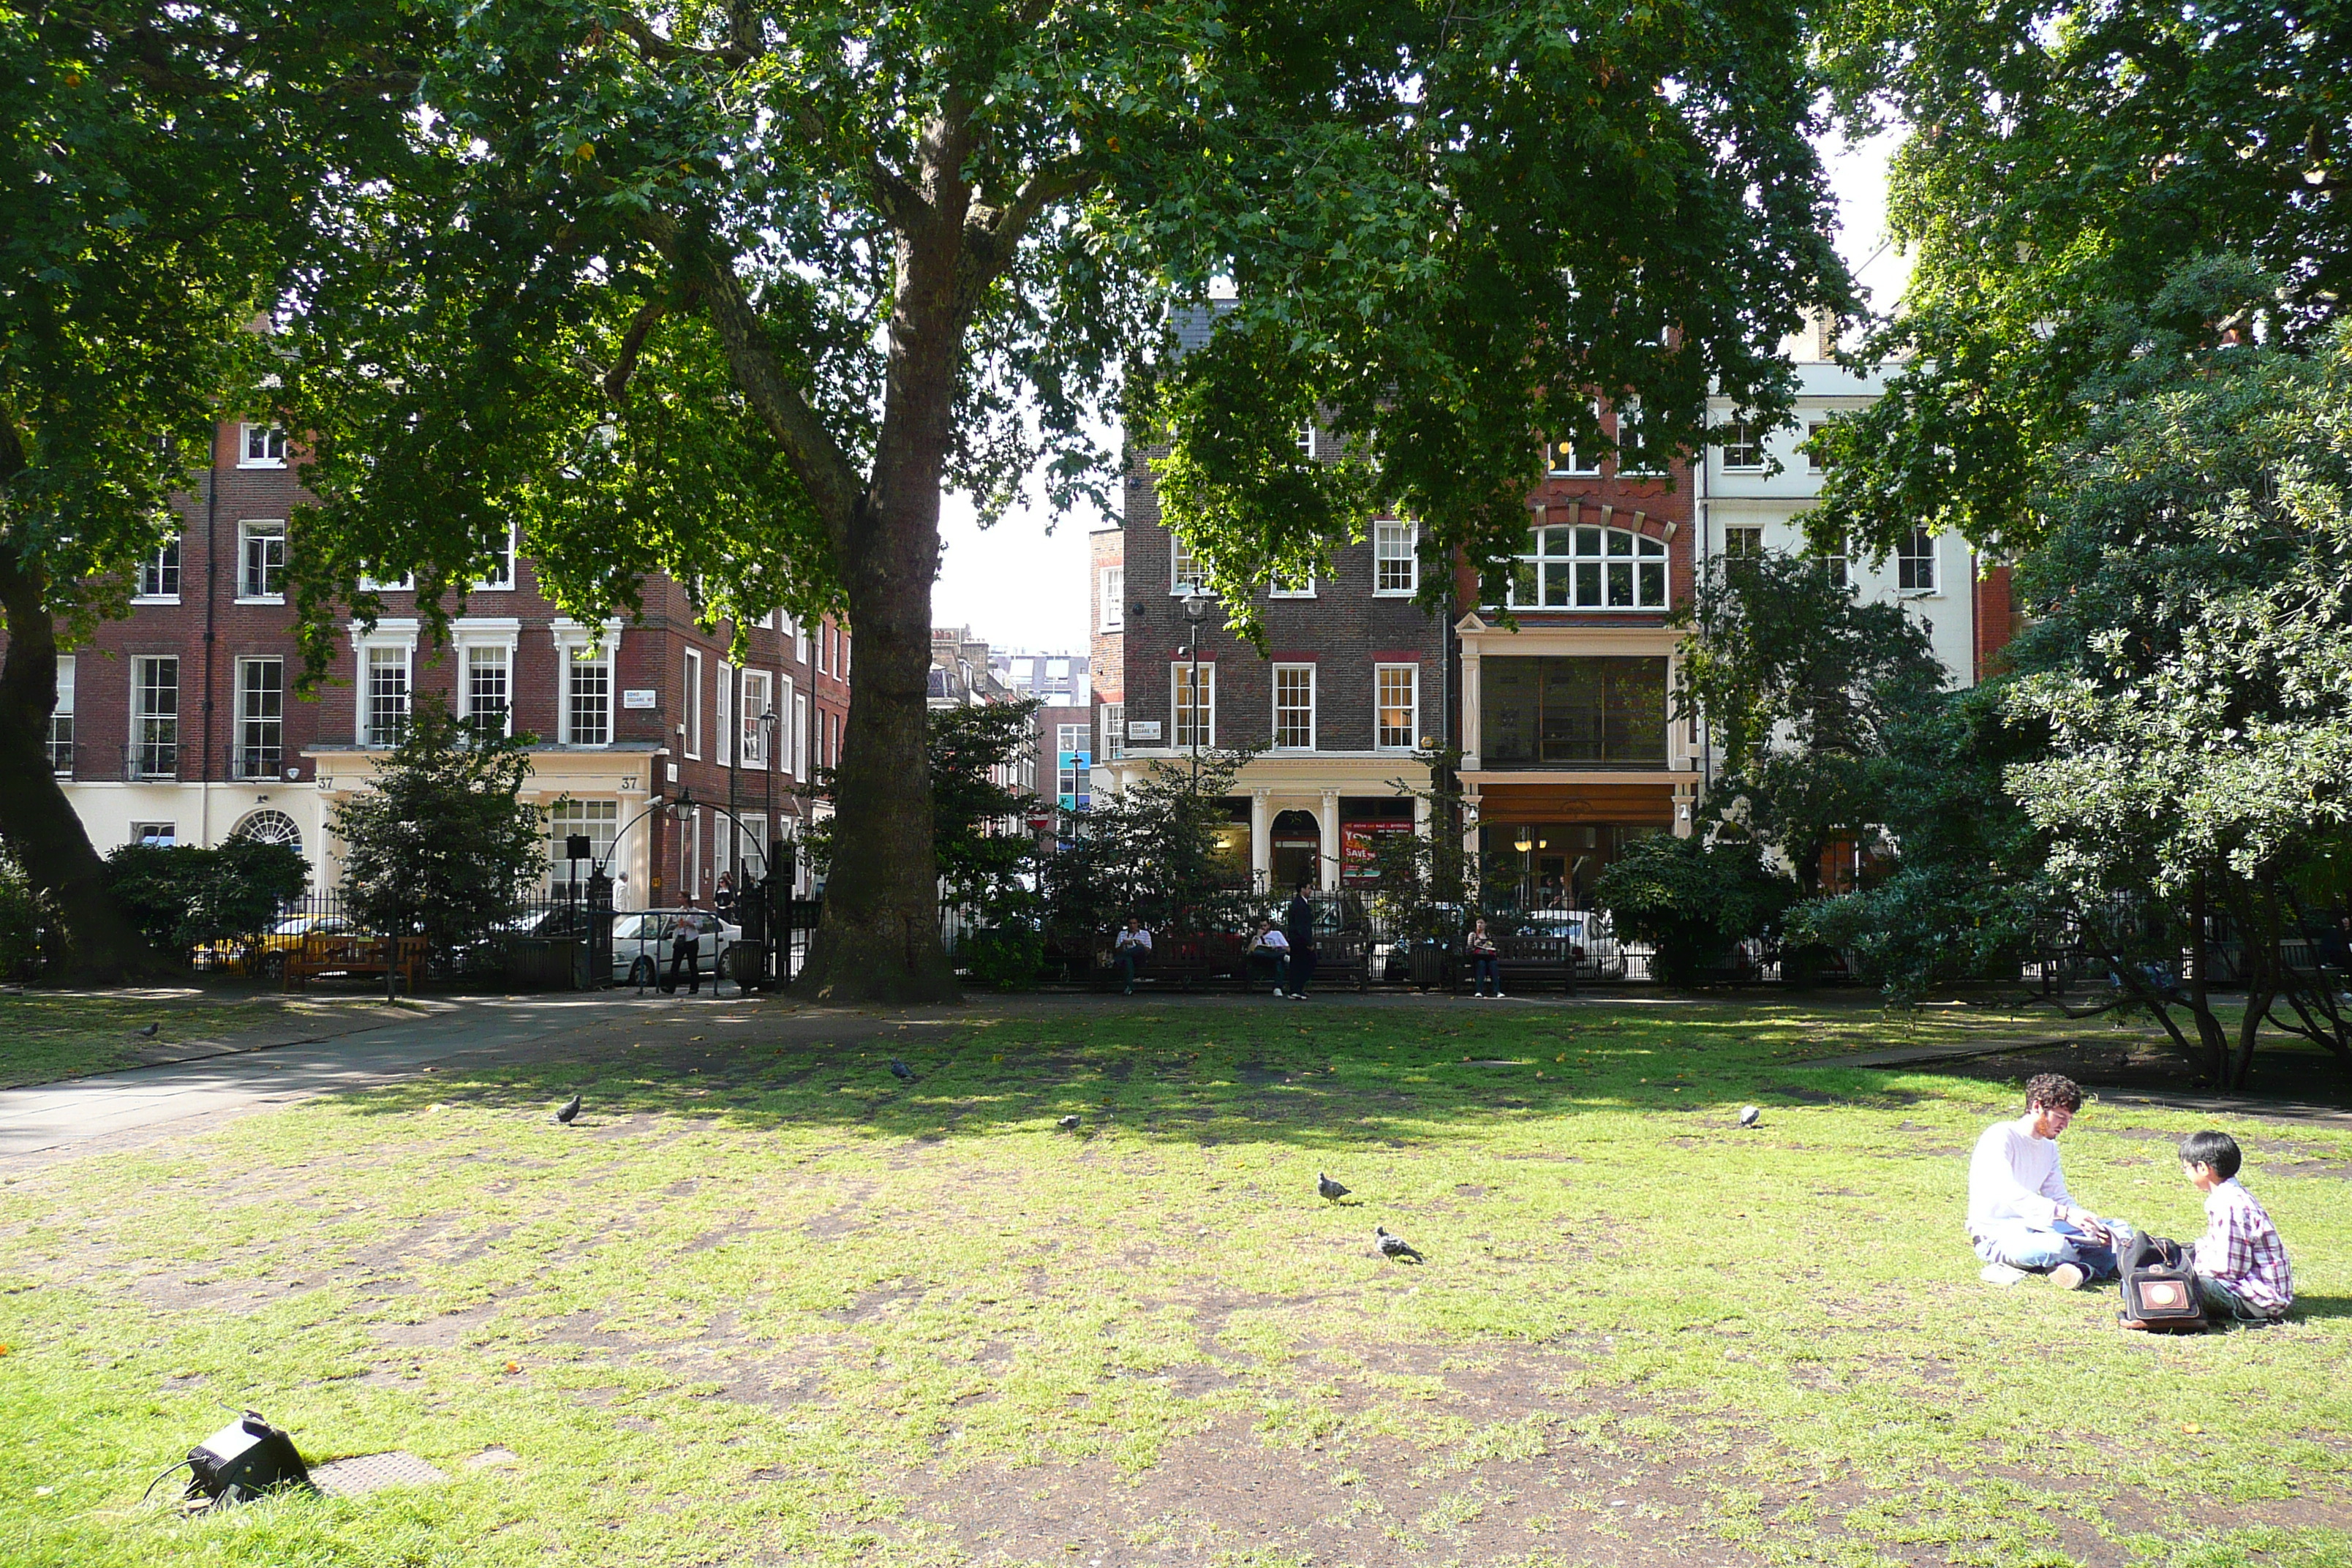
(2020, 1217)
(1270, 950)
(2241, 1262)
(1133, 946)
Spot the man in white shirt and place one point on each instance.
(1271, 951)
(2020, 1215)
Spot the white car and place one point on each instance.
(644, 939)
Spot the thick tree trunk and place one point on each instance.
(880, 939)
(41, 827)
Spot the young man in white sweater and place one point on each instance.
(2020, 1215)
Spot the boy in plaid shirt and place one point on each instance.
(2241, 1262)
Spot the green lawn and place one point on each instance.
(768, 1305)
(48, 1036)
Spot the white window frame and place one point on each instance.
(1629, 432)
(1814, 464)
(469, 633)
(1634, 558)
(159, 834)
(1744, 448)
(156, 565)
(571, 815)
(723, 707)
(1275, 590)
(505, 584)
(690, 695)
(572, 640)
(1274, 688)
(1182, 584)
(800, 734)
(1751, 532)
(387, 656)
(1386, 534)
(1579, 465)
(271, 436)
(1113, 743)
(1916, 573)
(63, 737)
(140, 716)
(1180, 713)
(1412, 741)
(248, 531)
(1112, 581)
(693, 856)
(243, 716)
(755, 693)
(399, 635)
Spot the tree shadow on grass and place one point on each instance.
(1335, 1080)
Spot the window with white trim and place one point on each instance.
(1836, 567)
(1184, 573)
(1294, 706)
(588, 695)
(691, 720)
(261, 557)
(1813, 462)
(384, 694)
(1396, 561)
(784, 732)
(1743, 447)
(1743, 542)
(757, 693)
(489, 687)
(261, 447)
(1196, 709)
(723, 691)
(61, 718)
(260, 717)
(154, 834)
(500, 577)
(1113, 591)
(800, 734)
(1396, 706)
(1277, 587)
(598, 820)
(1584, 567)
(155, 716)
(1563, 461)
(1634, 456)
(158, 574)
(1114, 732)
(1914, 563)
(405, 583)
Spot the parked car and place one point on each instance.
(644, 939)
(266, 957)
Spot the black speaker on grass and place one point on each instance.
(244, 1459)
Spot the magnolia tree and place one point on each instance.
(734, 291)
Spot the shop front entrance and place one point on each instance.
(1296, 845)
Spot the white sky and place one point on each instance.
(1022, 585)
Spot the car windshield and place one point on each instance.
(295, 925)
(635, 928)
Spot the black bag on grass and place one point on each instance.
(2159, 1287)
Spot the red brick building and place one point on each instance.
(182, 725)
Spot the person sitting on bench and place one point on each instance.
(1270, 951)
(1133, 947)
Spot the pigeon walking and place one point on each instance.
(1395, 1246)
(1327, 1189)
(567, 1111)
(1067, 1124)
(149, 1032)
(1750, 1116)
(901, 1071)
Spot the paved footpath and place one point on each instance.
(123, 1110)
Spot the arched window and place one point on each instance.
(1588, 568)
(270, 827)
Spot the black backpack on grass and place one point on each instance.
(2159, 1287)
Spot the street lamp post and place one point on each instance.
(1525, 844)
(1196, 610)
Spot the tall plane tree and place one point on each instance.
(157, 159)
(734, 291)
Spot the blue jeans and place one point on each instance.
(1132, 959)
(2020, 1243)
(1486, 973)
(2221, 1301)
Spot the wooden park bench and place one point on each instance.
(1531, 963)
(348, 952)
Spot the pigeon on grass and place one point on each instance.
(1067, 1124)
(1395, 1245)
(149, 1032)
(1751, 1117)
(567, 1111)
(901, 1071)
(1329, 1190)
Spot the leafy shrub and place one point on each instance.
(1690, 900)
(184, 897)
(20, 922)
(1007, 958)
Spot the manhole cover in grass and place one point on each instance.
(367, 1473)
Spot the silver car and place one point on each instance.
(644, 939)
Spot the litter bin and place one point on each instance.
(1428, 961)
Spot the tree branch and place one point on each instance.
(1000, 230)
(659, 50)
(616, 381)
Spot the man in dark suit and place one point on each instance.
(1299, 925)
